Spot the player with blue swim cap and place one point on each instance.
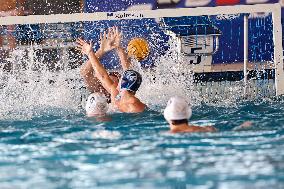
(131, 80)
(122, 92)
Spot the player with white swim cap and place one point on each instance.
(177, 114)
(177, 109)
(96, 105)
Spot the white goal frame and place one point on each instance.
(275, 9)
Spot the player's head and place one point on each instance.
(130, 80)
(177, 111)
(96, 105)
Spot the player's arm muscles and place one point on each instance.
(124, 60)
(101, 72)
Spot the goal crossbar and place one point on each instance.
(139, 14)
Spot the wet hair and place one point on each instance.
(179, 122)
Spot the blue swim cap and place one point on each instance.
(131, 80)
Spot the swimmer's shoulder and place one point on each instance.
(141, 106)
(135, 106)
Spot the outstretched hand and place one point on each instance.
(118, 37)
(84, 47)
(110, 40)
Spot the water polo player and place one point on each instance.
(122, 92)
(96, 105)
(177, 114)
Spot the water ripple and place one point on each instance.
(135, 151)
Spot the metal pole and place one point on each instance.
(245, 53)
(278, 50)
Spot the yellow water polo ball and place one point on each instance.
(138, 48)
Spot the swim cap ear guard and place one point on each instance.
(131, 80)
(96, 105)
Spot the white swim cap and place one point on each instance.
(177, 109)
(96, 105)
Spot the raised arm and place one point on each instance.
(101, 72)
(106, 44)
(124, 59)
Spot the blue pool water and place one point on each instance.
(134, 150)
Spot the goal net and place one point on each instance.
(222, 50)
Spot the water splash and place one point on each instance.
(30, 89)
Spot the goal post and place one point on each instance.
(278, 50)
